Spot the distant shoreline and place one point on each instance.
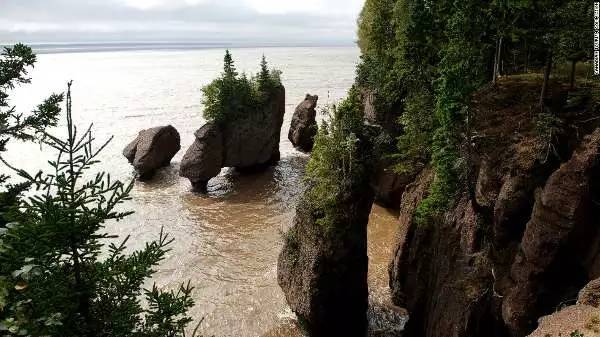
(84, 47)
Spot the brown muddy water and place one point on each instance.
(227, 241)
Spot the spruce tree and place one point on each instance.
(264, 78)
(59, 275)
(229, 66)
(15, 62)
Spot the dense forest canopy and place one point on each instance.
(422, 61)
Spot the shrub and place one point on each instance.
(232, 95)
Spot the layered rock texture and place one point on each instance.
(519, 244)
(304, 125)
(323, 271)
(246, 143)
(152, 149)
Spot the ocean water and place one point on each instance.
(227, 241)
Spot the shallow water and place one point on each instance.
(227, 241)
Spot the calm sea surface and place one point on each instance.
(227, 241)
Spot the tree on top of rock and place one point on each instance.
(232, 95)
(229, 66)
(264, 77)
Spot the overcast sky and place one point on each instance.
(213, 21)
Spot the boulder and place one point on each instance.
(247, 143)
(304, 125)
(152, 149)
(386, 320)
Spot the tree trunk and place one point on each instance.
(573, 68)
(527, 52)
(547, 71)
(497, 59)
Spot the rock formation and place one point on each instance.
(323, 271)
(388, 185)
(322, 268)
(152, 149)
(523, 243)
(590, 294)
(246, 143)
(304, 125)
(561, 220)
(583, 317)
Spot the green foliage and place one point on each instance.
(573, 34)
(374, 31)
(339, 163)
(233, 96)
(414, 145)
(14, 64)
(576, 333)
(58, 274)
(460, 74)
(423, 60)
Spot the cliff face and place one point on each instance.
(323, 271)
(524, 241)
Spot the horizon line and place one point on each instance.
(107, 46)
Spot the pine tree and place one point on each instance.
(229, 71)
(58, 274)
(264, 78)
(14, 64)
(232, 95)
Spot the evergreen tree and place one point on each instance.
(264, 78)
(229, 71)
(58, 274)
(14, 64)
(231, 95)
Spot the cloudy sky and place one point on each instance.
(212, 21)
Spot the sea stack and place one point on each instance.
(304, 125)
(152, 149)
(322, 268)
(248, 142)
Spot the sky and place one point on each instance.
(201, 21)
